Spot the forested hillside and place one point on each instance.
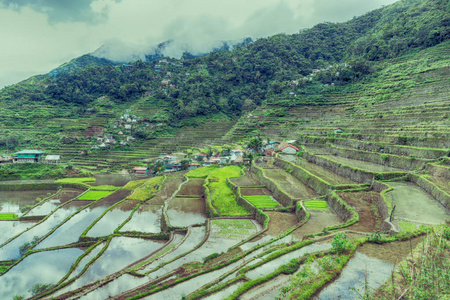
(327, 58)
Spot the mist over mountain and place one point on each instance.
(119, 52)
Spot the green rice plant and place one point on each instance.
(317, 205)
(81, 180)
(201, 172)
(134, 184)
(8, 216)
(223, 197)
(94, 195)
(407, 226)
(105, 188)
(147, 189)
(262, 201)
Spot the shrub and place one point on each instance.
(340, 242)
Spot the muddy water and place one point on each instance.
(255, 191)
(184, 212)
(11, 250)
(70, 231)
(272, 265)
(317, 221)
(51, 204)
(194, 237)
(225, 292)
(112, 179)
(46, 267)
(353, 278)
(280, 222)
(146, 219)
(362, 164)
(121, 252)
(414, 204)
(268, 290)
(13, 201)
(321, 172)
(291, 185)
(110, 221)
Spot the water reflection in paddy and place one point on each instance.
(13, 201)
(184, 212)
(11, 250)
(112, 219)
(70, 231)
(121, 252)
(111, 179)
(146, 219)
(51, 204)
(85, 260)
(46, 267)
(12, 228)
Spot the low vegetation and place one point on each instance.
(94, 195)
(8, 216)
(262, 201)
(317, 205)
(223, 197)
(147, 189)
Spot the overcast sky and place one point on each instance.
(36, 36)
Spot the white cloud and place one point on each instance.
(32, 45)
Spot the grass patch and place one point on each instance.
(317, 205)
(8, 216)
(262, 201)
(105, 188)
(81, 180)
(407, 226)
(134, 184)
(147, 189)
(223, 198)
(94, 195)
(201, 172)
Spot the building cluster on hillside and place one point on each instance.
(30, 156)
(175, 162)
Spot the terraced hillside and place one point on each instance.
(284, 227)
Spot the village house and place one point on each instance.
(140, 171)
(28, 156)
(53, 159)
(289, 149)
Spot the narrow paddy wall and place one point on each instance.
(431, 153)
(439, 171)
(355, 174)
(438, 194)
(272, 186)
(317, 184)
(390, 160)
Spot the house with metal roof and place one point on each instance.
(28, 156)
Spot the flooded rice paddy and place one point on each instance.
(13, 201)
(51, 204)
(290, 184)
(46, 267)
(112, 179)
(184, 212)
(145, 219)
(414, 204)
(11, 250)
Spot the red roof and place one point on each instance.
(296, 149)
(140, 168)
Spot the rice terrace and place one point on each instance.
(313, 165)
